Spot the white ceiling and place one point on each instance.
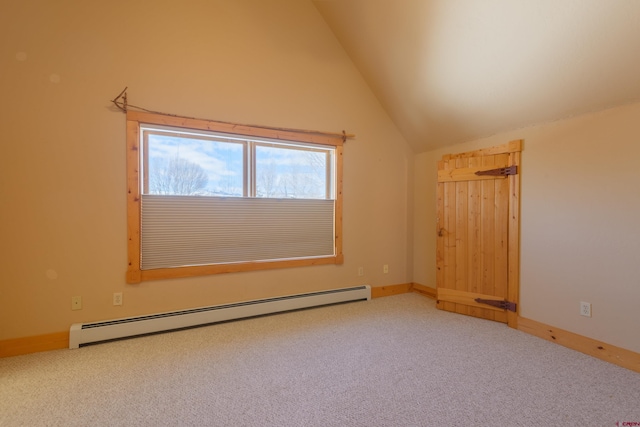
(449, 71)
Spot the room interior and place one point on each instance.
(412, 80)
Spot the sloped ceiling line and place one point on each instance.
(449, 71)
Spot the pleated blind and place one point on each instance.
(178, 231)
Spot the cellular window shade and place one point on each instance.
(178, 231)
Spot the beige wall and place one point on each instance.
(62, 163)
(580, 238)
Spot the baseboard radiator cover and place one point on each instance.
(91, 333)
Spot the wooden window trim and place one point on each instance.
(135, 119)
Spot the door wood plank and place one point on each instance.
(513, 292)
(501, 242)
(487, 232)
(461, 247)
(441, 231)
(474, 253)
(450, 237)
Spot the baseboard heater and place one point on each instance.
(90, 333)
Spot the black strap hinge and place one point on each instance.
(505, 305)
(511, 170)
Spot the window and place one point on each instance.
(207, 197)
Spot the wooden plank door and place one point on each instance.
(478, 232)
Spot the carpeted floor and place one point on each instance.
(394, 361)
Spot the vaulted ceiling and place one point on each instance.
(449, 71)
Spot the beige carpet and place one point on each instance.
(394, 361)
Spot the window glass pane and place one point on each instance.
(289, 172)
(194, 166)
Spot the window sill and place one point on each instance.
(137, 276)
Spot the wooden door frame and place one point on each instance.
(514, 148)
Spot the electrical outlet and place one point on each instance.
(585, 309)
(385, 268)
(360, 271)
(76, 303)
(117, 298)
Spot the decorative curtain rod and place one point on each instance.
(121, 103)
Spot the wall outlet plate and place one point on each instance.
(117, 298)
(585, 309)
(76, 303)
